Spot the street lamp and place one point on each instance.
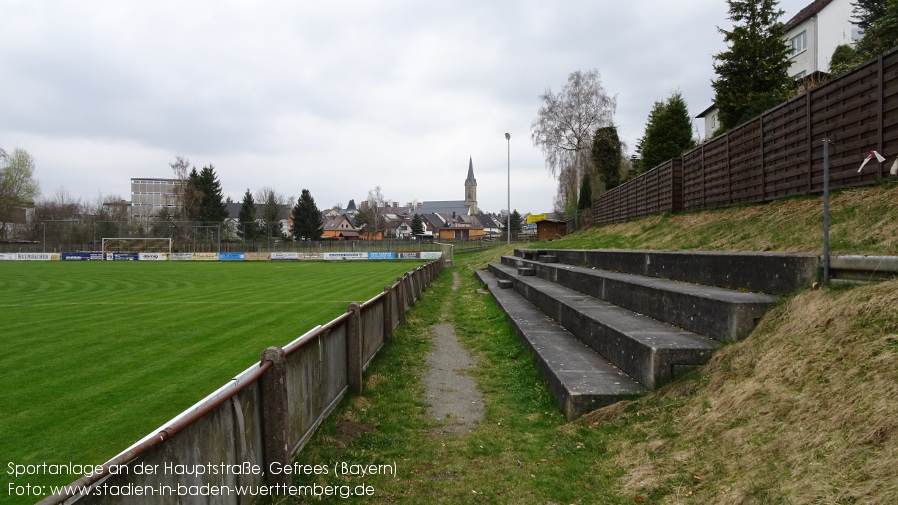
(508, 218)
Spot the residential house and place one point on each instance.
(815, 31)
(340, 228)
(813, 34)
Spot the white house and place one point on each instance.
(815, 31)
(813, 34)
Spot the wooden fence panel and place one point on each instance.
(780, 153)
(746, 173)
(846, 110)
(786, 155)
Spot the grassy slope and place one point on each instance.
(861, 221)
(803, 411)
(95, 355)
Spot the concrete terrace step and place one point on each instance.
(579, 378)
(650, 351)
(719, 313)
(774, 273)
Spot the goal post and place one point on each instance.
(136, 245)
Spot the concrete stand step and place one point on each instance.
(719, 313)
(774, 273)
(650, 351)
(579, 378)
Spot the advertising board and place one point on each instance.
(431, 255)
(37, 256)
(181, 256)
(82, 256)
(153, 256)
(257, 256)
(232, 256)
(7, 256)
(124, 256)
(205, 256)
(408, 255)
(284, 256)
(381, 255)
(346, 255)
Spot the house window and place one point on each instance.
(799, 43)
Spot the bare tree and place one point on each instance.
(564, 129)
(371, 219)
(189, 196)
(18, 187)
(273, 210)
(566, 122)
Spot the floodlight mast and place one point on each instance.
(508, 218)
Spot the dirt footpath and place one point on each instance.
(452, 394)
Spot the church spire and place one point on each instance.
(471, 171)
(471, 189)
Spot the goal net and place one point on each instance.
(136, 245)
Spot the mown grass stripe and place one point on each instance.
(95, 355)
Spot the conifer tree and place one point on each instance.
(668, 133)
(606, 156)
(247, 229)
(307, 223)
(585, 201)
(212, 209)
(417, 225)
(753, 73)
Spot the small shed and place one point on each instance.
(550, 229)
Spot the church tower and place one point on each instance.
(471, 189)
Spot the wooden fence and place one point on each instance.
(779, 153)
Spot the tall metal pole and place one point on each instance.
(508, 218)
(826, 211)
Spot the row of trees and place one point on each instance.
(575, 131)
(201, 202)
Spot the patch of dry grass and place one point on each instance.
(804, 411)
(862, 221)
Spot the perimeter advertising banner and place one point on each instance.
(7, 256)
(182, 256)
(431, 255)
(37, 256)
(232, 256)
(381, 255)
(82, 256)
(346, 256)
(205, 256)
(284, 256)
(257, 256)
(311, 256)
(124, 256)
(152, 256)
(408, 255)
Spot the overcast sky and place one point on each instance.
(337, 97)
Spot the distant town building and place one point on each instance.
(149, 196)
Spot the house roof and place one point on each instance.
(444, 206)
(335, 222)
(808, 12)
(706, 111)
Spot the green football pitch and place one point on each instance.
(95, 355)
